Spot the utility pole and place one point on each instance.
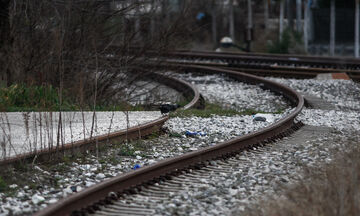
(332, 28)
(250, 26)
(214, 24)
(281, 19)
(266, 13)
(231, 20)
(306, 25)
(298, 15)
(356, 28)
(290, 15)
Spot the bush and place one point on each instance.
(291, 42)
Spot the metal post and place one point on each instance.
(281, 19)
(298, 15)
(250, 22)
(357, 28)
(214, 26)
(332, 28)
(250, 26)
(290, 14)
(231, 20)
(306, 25)
(266, 13)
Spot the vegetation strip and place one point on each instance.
(137, 177)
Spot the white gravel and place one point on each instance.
(222, 90)
(27, 131)
(344, 94)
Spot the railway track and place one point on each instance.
(188, 91)
(171, 172)
(295, 66)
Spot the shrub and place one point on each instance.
(291, 42)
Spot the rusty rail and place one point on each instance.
(335, 62)
(296, 66)
(135, 178)
(189, 91)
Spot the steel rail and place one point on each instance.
(188, 90)
(272, 65)
(327, 58)
(266, 70)
(287, 58)
(287, 65)
(294, 66)
(99, 192)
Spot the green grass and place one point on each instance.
(19, 97)
(23, 98)
(131, 148)
(215, 109)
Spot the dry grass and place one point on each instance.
(331, 190)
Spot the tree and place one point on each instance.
(72, 44)
(5, 40)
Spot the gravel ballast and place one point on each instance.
(223, 90)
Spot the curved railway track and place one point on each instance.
(268, 64)
(108, 192)
(188, 91)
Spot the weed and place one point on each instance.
(153, 135)
(3, 185)
(114, 160)
(175, 135)
(102, 161)
(125, 150)
(21, 166)
(67, 159)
